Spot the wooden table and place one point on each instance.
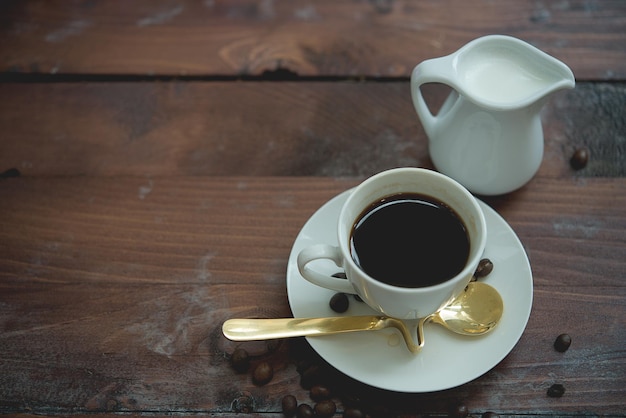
(160, 157)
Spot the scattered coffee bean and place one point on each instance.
(303, 364)
(310, 377)
(490, 414)
(290, 405)
(556, 391)
(243, 403)
(240, 360)
(304, 411)
(358, 298)
(319, 393)
(325, 408)
(11, 172)
(339, 302)
(485, 266)
(262, 374)
(340, 275)
(579, 159)
(353, 413)
(562, 343)
(111, 405)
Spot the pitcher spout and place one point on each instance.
(556, 75)
(500, 72)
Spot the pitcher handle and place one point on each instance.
(436, 70)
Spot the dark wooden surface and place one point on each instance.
(378, 38)
(159, 159)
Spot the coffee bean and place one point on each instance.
(485, 266)
(556, 391)
(310, 377)
(11, 172)
(303, 364)
(305, 411)
(562, 343)
(262, 374)
(325, 409)
(319, 393)
(579, 159)
(340, 275)
(243, 403)
(112, 405)
(339, 302)
(290, 405)
(358, 298)
(353, 413)
(240, 360)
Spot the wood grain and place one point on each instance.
(113, 291)
(324, 38)
(269, 129)
(159, 157)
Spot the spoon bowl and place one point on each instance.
(476, 311)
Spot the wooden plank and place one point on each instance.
(113, 291)
(324, 38)
(256, 128)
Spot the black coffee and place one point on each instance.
(410, 240)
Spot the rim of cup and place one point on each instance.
(477, 240)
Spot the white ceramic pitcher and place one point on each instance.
(488, 134)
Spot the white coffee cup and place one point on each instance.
(395, 301)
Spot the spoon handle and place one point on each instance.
(267, 329)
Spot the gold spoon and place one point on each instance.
(476, 311)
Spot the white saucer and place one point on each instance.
(380, 358)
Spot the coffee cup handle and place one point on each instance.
(323, 251)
